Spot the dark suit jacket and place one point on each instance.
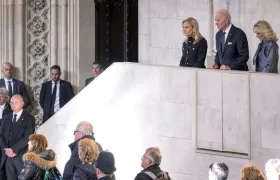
(25, 126)
(193, 55)
(88, 80)
(7, 110)
(66, 93)
(235, 53)
(18, 88)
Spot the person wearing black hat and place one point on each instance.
(105, 166)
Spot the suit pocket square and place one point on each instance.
(229, 43)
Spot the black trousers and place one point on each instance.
(13, 167)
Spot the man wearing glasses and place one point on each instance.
(83, 130)
(150, 162)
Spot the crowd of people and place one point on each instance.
(25, 155)
(231, 45)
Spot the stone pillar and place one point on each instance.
(36, 34)
(53, 32)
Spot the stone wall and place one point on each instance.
(160, 21)
(195, 116)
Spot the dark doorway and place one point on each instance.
(116, 31)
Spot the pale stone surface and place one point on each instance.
(134, 106)
(236, 118)
(265, 97)
(209, 110)
(165, 16)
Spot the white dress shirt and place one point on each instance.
(7, 84)
(2, 107)
(18, 114)
(227, 32)
(56, 103)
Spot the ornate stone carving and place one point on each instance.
(37, 5)
(37, 73)
(37, 26)
(37, 50)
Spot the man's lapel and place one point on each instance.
(19, 123)
(15, 86)
(2, 83)
(61, 86)
(229, 36)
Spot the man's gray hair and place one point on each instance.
(154, 155)
(220, 170)
(226, 14)
(86, 128)
(4, 92)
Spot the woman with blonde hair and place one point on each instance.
(88, 152)
(266, 56)
(251, 173)
(195, 46)
(39, 163)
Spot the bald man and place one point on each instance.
(231, 44)
(14, 136)
(12, 85)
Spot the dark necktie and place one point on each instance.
(15, 118)
(223, 41)
(54, 93)
(10, 89)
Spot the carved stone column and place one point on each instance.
(37, 59)
(36, 34)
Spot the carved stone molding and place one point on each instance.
(37, 48)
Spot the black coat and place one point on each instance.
(235, 53)
(7, 110)
(35, 165)
(193, 55)
(66, 93)
(19, 88)
(85, 172)
(74, 158)
(155, 169)
(88, 80)
(24, 127)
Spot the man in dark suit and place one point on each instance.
(14, 136)
(12, 85)
(97, 69)
(55, 93)
(231, 44)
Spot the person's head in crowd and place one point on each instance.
(272, 169)
(37, 143)
(223, 19)
(191, 29)
(84, 128)
(17, 103)
(251, 173)
(151, 157)
(97, 69)
(7, 70)
(88, 151)
(105, 164)
(218, 171)
(55, 73)
(264, 31)
(4, 97)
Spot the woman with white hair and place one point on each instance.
(266, 56)
(272, 169)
